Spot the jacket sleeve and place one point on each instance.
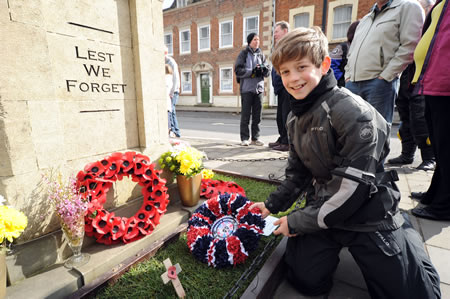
(363, 135)
(411, 22)
(240, 66)
(298, 177)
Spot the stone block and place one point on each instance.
(95, 20)
(89, 70)
(26, 71)
(342, 290)
(27, 12)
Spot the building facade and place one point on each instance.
(206, 36)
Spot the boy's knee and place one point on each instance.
(309, 284)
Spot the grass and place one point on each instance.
(199, 280)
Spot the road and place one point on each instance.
(220, 126)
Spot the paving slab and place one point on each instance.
(440, 258)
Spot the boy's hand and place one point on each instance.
(283, 227)
(264, 211)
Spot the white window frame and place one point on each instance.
(330, 21)
(348, 21)
(304, 9)
(244, 25)
(170, 49)
(209, 38)
(181, 41)
(220, 79)
(221, 46)
(184, 91)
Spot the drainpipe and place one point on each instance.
(324, 15)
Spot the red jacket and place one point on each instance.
(435, 78)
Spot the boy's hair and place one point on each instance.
(282, 24)
(300, 43)
(169, 69)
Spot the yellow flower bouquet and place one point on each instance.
(12, 223)
(183, 160)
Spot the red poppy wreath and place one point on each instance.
(94, 183)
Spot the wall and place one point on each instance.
(79, 80)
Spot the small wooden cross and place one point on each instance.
(172, 275)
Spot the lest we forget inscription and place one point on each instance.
(91, 60)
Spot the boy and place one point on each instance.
(337, 142)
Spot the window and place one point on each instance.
(301, 20)
(226, 34)
(181, 3)
(168, 41)
(185, 41)
(226, 79)
(203, 38)
(251, 24)
(186, 82)
(342, 20)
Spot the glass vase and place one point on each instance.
(74, 234)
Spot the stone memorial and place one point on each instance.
(79, 80)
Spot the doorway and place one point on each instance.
(204, 88)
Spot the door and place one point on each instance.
(204, 88)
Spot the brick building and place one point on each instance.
(206, 36)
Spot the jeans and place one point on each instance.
(173, 116)
(251, 106)
(380, 93)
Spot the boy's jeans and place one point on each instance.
(380, 93)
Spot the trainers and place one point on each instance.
(172, 134)
(257, 142)
(245, 143)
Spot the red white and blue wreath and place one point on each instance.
(97, 178)
(223, 230)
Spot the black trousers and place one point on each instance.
(437, 116)
(413, 129)
(251, 107)
(283, 109)
(394, 263)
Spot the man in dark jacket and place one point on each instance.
(283, 107)
(251, 68)
(337, 143)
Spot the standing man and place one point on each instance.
(283, 107)
(174, 93)
(382, 48)
(250, 69)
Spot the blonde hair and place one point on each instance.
(300, 43)
(169, 69)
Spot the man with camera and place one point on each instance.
(250, 69)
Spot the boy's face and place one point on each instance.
(300, 77)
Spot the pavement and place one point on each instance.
(262, 162)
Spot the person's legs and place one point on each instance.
(438, 198)
(285, 110)
(174, 125)
(312, 260)
(395, 265)
(420, 133)
(246, 103)
(405, 132)
(381, 94)
(256, 115)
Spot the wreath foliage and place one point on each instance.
(95, 181)
(223, 230)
